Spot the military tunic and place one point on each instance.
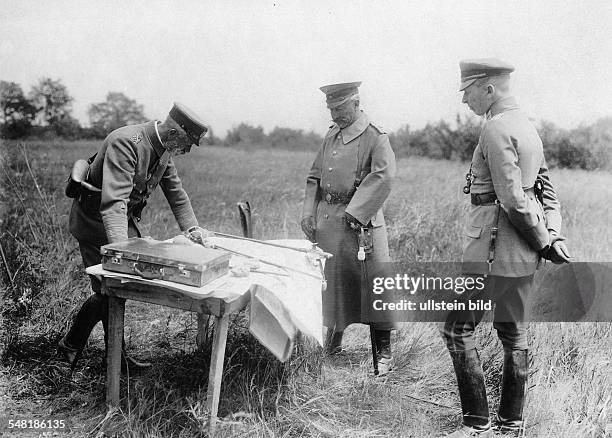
(507, 160)
(123, 169)
(359, 152)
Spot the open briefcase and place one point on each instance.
(193, 265)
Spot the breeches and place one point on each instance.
(95, 309)
(509, 295)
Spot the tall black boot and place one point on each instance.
(92, 311)
(514, 388)
(333, 341)
(386, 363)
(473, 394)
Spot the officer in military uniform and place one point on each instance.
(346, 187)
(514, 221)
(132, 161)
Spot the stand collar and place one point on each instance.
(153, 138)
(502, 105)
(355, 129)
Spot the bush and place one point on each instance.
(15, 129)
(586, 147)
(245, 134)
(438, 140)
(294, 139)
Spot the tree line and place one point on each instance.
(46, 111)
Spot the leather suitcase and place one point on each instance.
(193, 265)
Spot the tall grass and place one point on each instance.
(310, 395)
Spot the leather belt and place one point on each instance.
(337, 198)
(483, 198)
(490, 198)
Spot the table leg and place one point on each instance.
(116, 311)
(215, 373)
(202, 329)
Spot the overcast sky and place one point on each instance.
(262, 62)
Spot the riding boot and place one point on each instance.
(383, 352)
(92, 311)
(472, 392)
(514, 387)
(333, 341)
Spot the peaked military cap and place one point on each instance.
(337, 94)
(474, 69)
(189, 121)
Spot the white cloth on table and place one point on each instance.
(292, 300)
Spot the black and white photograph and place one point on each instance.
(348, 219)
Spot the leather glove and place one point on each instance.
(556, 251)
(197, 234)
(353, 223)
(309, 227)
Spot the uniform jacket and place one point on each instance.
(360, 152)
(122, 169)
(507, 160)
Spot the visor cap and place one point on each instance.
(337, 94)
(474, 69)
(188, 121)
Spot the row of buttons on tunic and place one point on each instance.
(328, 197)
(330, 169)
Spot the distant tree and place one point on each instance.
(400, 141)
(118, 110)
(553, 138)
(68, 127)
(596, 142)
(466, 138)
(458, 143)
(16, 112)
(245, 134)
(585, 147)
(293, 139)
(441, 136)
(52, 101)
(407, 143)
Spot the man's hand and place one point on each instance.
(309, 227)
(352, 223)
(198, 234)
(556, 252)
(559, 253)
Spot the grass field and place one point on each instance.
(311, 395)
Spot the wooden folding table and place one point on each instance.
(119, 290)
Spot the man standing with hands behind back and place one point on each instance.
(514, 221)
(346, 187)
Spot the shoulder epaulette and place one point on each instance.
(379, 128)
